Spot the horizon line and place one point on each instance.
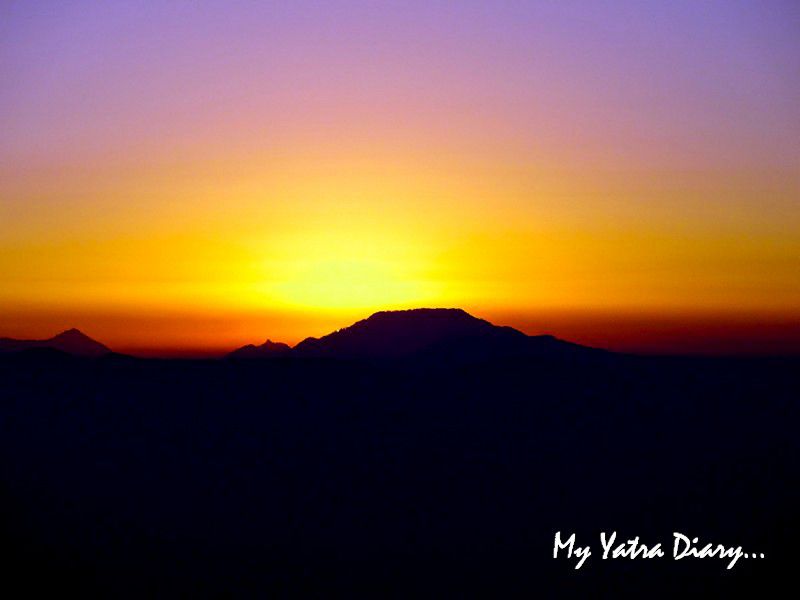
(687, 339)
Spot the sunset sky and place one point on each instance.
(193, 176)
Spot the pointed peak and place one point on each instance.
(71, 341)
(267, 349)
(270, 344)
(72, 333)
(75, 341)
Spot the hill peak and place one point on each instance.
(71, 341)
(416, 312)
(443, 334)
(396, 333)
(72, 333)
(75, 341)
(420, 316)
(268, 349)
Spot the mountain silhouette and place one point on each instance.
(447, 466)
(425, 333)
(71, 341)
(268, 349)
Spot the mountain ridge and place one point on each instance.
(423, 333)
(268, 349)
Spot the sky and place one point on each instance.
(187, 177)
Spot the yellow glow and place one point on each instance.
(341, 282)
(347, 269)
(221, 254)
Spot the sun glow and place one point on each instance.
(343, 270)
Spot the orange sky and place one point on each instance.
(173, 182)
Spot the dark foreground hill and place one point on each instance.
(315, 478)
(71, 341)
